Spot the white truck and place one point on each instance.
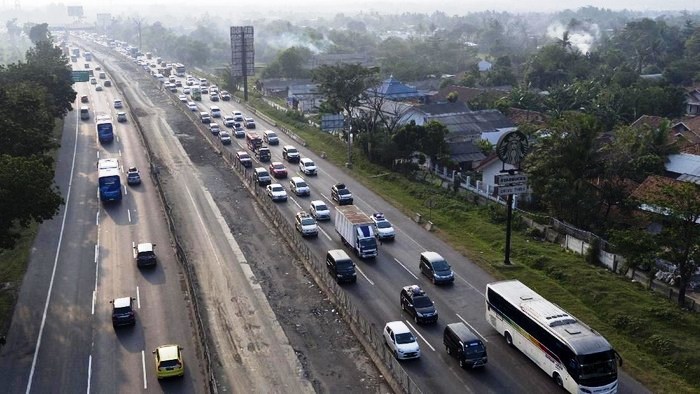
(356, 230)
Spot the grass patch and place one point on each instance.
(13, 265)
(658, 341)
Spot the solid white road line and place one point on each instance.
(421, 337)
(325, 233)
(296, 203)
(55, 263)
(89, 373)
(472, 328)
(363, 274)
(406, 268)
(138, 298)
(143, 364)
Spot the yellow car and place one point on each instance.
(169, 361)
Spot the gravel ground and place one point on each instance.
(331, 357)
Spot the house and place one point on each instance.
(686, 131)
(395, 90)
(465, 154)
(524, 116)
(692, 106)
(650, 190)
(484, 66)
(278, 87)
(683, 167)
(304, 97)
(489, 168)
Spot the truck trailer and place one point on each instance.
(355, 230)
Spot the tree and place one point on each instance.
(39, 33)
(24, 179)
(18, 102)
(680, 204)
(638, 246)
(344, 85)
(289, 64)
(563, 164)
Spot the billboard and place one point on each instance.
(75, 10)
(242, 51)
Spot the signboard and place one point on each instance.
(80, 76)
(512, 147)
(509, 180)
(515, 189)
(242, 51)
(75, 10)
(330, 122)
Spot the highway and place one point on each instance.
(80, 351)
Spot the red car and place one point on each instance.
(278, 170)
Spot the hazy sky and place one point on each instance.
(450, 7)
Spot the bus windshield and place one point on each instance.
(597, 369)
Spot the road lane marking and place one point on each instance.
(125, 191)
(120, 155)
(296, 203)
(472, 328)
(138, 298)
(363, 274)
(143, 364)
(128, 213)
(133, 248)
(406, 268)
(97, 253)
(98, 155)
(55, 262)
(469, 284)
(89, 373)
(325, 233)
(97, 219)
(421, 336)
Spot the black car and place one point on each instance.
(417, 304)
(123, 312)
(341, 194)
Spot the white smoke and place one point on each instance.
(288, 40)
(582, 36)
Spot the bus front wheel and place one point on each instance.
(558, 381)
(509, 339)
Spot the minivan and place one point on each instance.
(462, 343)
(270, 137)
(262, 177)
(436, 268)
(340, 266)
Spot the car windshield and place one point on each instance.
(277, 189)
(122, 310)
(422, 302)
(474, 348)
(291, 150)
(271, 135)
(307, 221)
(309, 164)
(244, 156)
(441, 266)
(169, 364)
(343, 192)
(278, 167)
(406, 337)
(383, 224)
(321, 207)
(301, 184)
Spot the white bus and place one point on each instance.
(577, 357)
(178, 69)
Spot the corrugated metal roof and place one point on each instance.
(684, 163)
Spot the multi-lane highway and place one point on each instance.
(66, 339)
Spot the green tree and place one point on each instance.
(344, 85)
(562, 165)
(289, 64)
(24, 179)
(680, 201)
(639, 247)
(18, 137)
(39, 32)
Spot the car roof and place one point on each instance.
(398, 327)
(144, 247)
(306, 159)
(297, 179)
(122, 302)
(167, 352)
(275, 185)
(318, 202)
(432, 256)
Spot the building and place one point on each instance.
(692, 106)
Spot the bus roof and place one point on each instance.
(104, 164)
(581, 338)
(102, 118)
(105, 172)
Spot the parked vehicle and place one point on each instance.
(355, 230)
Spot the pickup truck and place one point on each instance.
(356, 230)
(341, 194)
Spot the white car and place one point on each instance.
(186, 90)
(307, 166)
(192, 106)
(319, 210)
(276, 192)
(384, 229)
(182, 98)
(118, 104)
(298, 186)
(215, 111)
(401, 341)
(305, 224)
(228, 121)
